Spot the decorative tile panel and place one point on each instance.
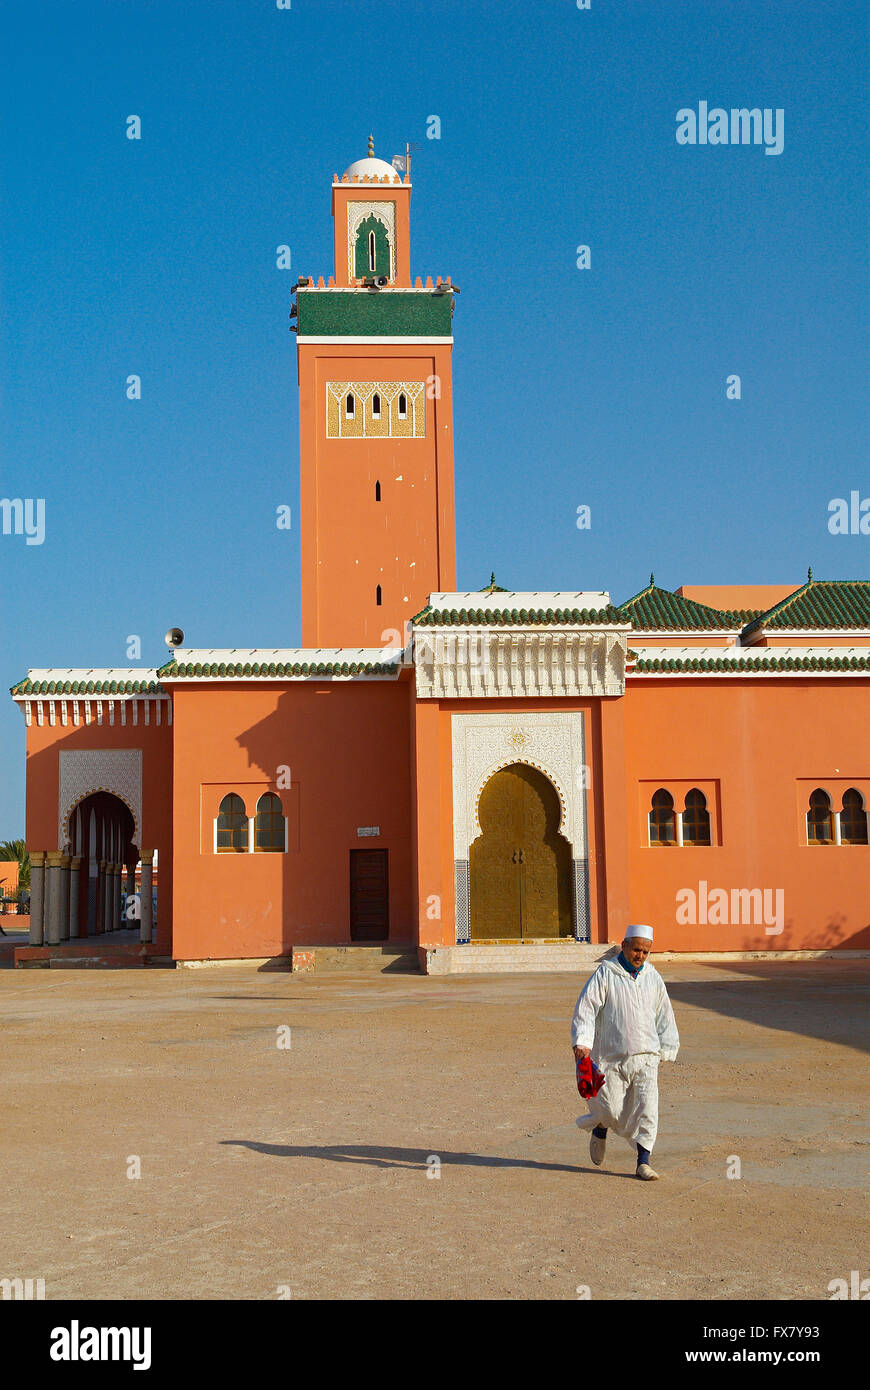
(461, 884)
(582, 928)
(83, 771)
(364, 424)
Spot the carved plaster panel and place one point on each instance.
(552, 742)
(471, 661)
(83, 771)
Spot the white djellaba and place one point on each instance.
(628, 1024)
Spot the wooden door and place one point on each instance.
(369, 895)
(520, 866)
(495, 908)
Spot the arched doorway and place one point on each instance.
(101, 830)
(519, 866)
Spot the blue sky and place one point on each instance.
(603, 387)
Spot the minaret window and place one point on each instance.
(378, 596)
(371, 250)
(377, 492)
(377, 409)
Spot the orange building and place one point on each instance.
(8, 881)
(488, 779)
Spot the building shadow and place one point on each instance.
(824, 999)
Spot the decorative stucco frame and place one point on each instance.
(357, 212)
(84, 771)
(554, 743)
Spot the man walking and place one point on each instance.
(625, 1022)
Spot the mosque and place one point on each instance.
(480, 780)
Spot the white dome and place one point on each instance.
(374, 168)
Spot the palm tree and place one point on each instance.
(16, 849)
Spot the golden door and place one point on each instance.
(519, 866)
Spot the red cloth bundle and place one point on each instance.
(589, 1078)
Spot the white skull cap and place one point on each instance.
(641, 932)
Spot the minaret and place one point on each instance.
(375, 423)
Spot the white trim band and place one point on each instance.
(376, 338)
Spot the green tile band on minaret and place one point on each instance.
(374, 313)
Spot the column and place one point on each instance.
(108, 919)
(101, 897)
(75, 868)
(118, 925)
(37, 896)
(145, 922)
(64, 897)
(91, 909)
(52, 897)
(130, 891)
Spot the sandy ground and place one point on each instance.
(304, 1169)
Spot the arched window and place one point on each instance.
(376, 406)
(820, 821)
(378, 596)
(662, 821)
(377, 492)
(853, 819)
(349, 406)
(371, 249)
(696, 819)
(269, 825)
(232, 826)
(403, 406)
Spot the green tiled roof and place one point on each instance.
(374, 313)
(273, 668)
(29, 687)
(820, 604)
(658, 609)
(501, 617)
(717, 665)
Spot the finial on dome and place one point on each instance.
(371, 147)
(652, 581)
(810, 575)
